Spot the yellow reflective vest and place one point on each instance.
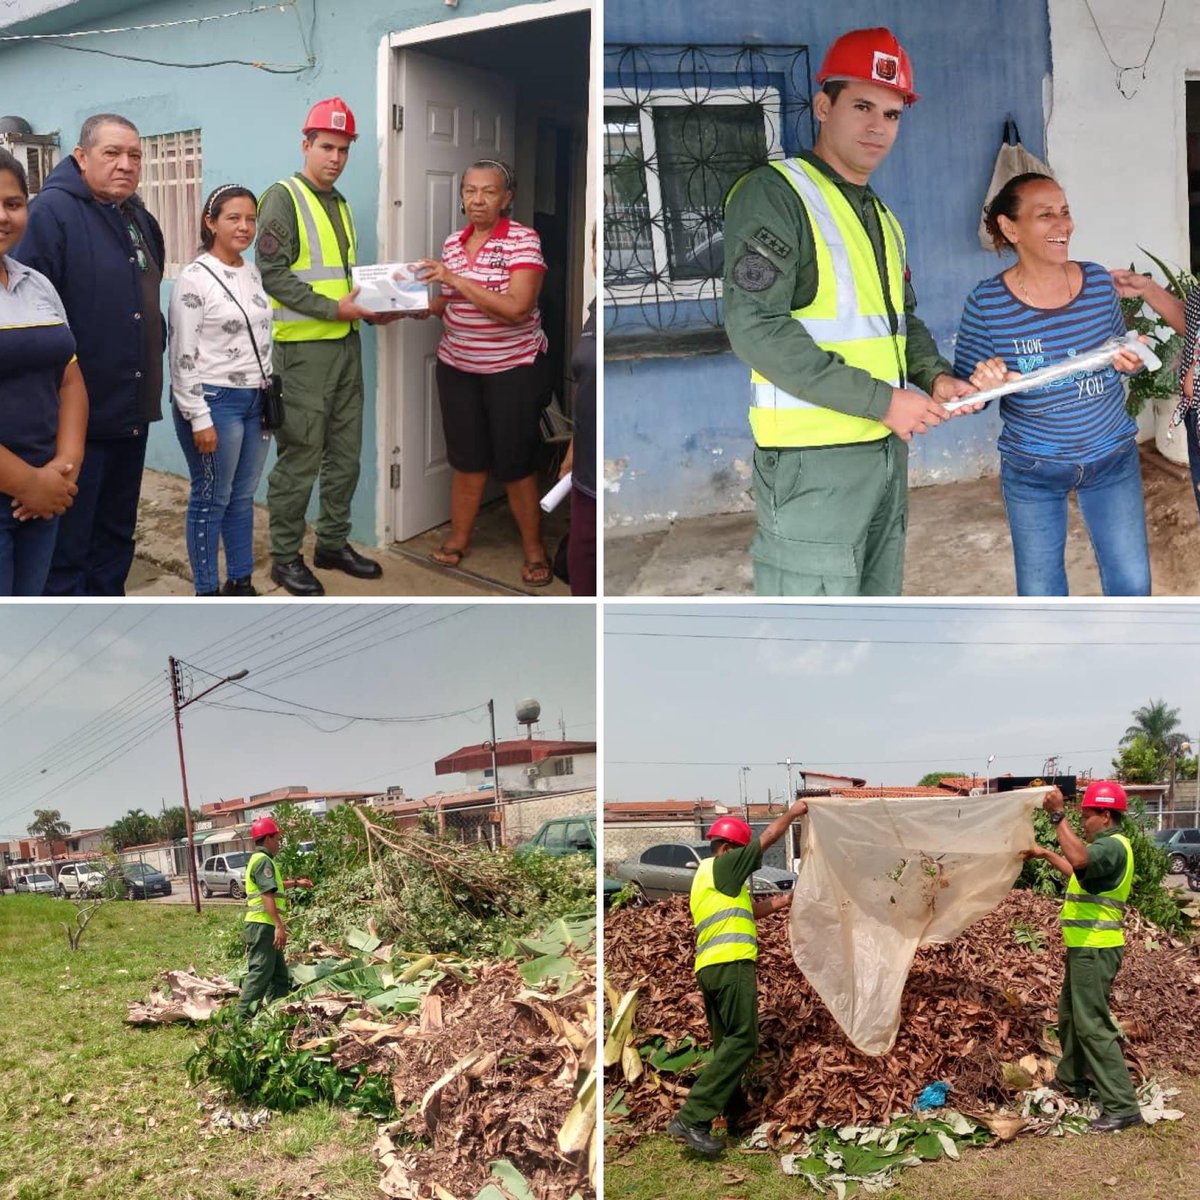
(848, 316)
(319, 263)
(725, 929)
(256, 911)
(1097, 919)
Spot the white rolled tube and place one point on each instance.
(1093, 360)
(553, 498)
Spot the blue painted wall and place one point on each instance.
(676, 436)
(249, 119)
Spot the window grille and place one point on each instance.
(562, 766)
(171, 189)
(681, 125)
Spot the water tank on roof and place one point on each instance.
(528, 711)
(15, 125)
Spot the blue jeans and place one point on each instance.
(26, 548)
(1190, 419)
(221, 506)
(1113, 508)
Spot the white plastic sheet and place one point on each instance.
(881, 877)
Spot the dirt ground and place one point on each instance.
(958, 545)
(160, 566)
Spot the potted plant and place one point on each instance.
(1160, 388)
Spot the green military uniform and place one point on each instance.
(1090, 1037)
(831, 517)
(726, 951)
(267, 974)
(322, 379)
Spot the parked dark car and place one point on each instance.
(669, 868)
(142, 882)
(1183, 845)
(564, 835)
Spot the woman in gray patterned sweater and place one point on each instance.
(220, 357)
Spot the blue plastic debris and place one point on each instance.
(933, 1095)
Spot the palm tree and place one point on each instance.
(48, 823)
(135, 828)
(1156, 723)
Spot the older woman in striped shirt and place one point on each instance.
(1069, 435)
(492, 374)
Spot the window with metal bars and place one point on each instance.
(681, 125)
(171, 189)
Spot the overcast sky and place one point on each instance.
(883, 691)
(85, 709)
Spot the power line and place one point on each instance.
(1124, 643)
(33, 649)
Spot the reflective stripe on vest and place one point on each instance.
(1097, 919)
(256, 910)
(319, 264)
(848, 316)
(725, 929)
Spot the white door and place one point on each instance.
(452, 115)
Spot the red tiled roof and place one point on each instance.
(508, 754)
(240, 805)
(658, 810)
(904, 793)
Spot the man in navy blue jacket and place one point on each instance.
(91, 236)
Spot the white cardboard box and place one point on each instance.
(391, 287)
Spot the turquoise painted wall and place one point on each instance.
(250, 119)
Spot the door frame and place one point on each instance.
(386, 384)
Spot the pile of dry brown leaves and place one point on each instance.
(488, 1072)
(970, 1006)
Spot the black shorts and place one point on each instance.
(493, 422)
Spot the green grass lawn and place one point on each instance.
(1156, 1163)
(131, 1126)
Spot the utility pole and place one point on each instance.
(495, 772)
(178, 704)
(746, 800)
(787, 762)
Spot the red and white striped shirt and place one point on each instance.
(472, 340)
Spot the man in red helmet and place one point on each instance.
(307, 244)
(1099, 871)
(726, 951)
(265, 932)
(819, 305)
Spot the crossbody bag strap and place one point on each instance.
(249, 327)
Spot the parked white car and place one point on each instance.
(224, 875)
(35, 881)
(81, 879)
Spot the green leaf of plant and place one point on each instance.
(512, 1179)
(549, 966)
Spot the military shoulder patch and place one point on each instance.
(268, 243)
(754, 273)
(772, 243)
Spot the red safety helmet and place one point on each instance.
(331, 116)
(1104, 793)
(263, 827)
(731, 829)
(874, 56)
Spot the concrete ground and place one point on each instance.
(958, 545)
(493, 568)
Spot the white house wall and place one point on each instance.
(1122, 162)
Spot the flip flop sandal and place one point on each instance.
(448, 556)
(536, 574)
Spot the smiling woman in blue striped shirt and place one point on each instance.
(1072, 434)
